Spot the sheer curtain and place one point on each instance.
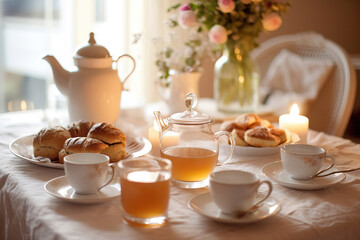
(127, 26)
(146, 18)
(32, 29)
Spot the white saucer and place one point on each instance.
(276, 172)
(60, 188)
(204, 205)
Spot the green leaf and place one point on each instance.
(174, 7)
(168, 52)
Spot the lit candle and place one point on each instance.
(153, 136)
(295, 123)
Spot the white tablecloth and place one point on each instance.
(28, 212)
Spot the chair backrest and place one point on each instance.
(331, 111)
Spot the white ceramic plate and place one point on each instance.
(276, 172)
(22, 147)
(204, 205)
(60, 188)
(263, 151)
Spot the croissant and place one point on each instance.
(81, 145)
(113, 137)
(49, 141)
(80, 128)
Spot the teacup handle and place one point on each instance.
(232, 142)
(327, 168)
(134, 66)
(113, 175)
(268, 193)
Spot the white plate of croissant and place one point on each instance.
(50, 145)
(257, 137)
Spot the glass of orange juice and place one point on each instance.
(145, 190)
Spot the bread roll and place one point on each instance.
(229, 126)
(238, 135)
(80, 128)
(261, 137)
(261, 123)
(49, 141)
(112, 136)
(279, 133)
(81, 145)
(248, 119)
(262, 133)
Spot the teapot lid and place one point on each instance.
(190, 116)
(92, 50)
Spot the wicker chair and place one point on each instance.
(331, 111)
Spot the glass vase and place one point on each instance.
(236, 81)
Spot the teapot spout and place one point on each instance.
(160, 121)
(61, 76)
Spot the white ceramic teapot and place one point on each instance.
(94, 91)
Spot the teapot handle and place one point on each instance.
(232, 143)
(134, 66)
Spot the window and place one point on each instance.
(31, 29)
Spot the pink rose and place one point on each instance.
(187, 19)
(226, 6)
(184, 7)
(271, 21)
(218, 34)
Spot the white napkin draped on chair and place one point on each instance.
(292, 78)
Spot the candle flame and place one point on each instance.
(23, 105)
(294, 110)
(10, 108)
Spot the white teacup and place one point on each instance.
(87, 173)
(234, 191)
(303, 161)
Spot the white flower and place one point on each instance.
(187, 19)
(218, 34)
(271, 21)
(226, 6)
(188, 52)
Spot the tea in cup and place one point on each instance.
(87, 173)
(303, 161)
(235, 191)
(145, 190)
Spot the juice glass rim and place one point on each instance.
(166, 166)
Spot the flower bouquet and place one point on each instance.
(232, 27)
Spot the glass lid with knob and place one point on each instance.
(190, 116)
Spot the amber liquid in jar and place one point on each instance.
(190, 164)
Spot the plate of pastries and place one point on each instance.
(50, 145)
(255, 136)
